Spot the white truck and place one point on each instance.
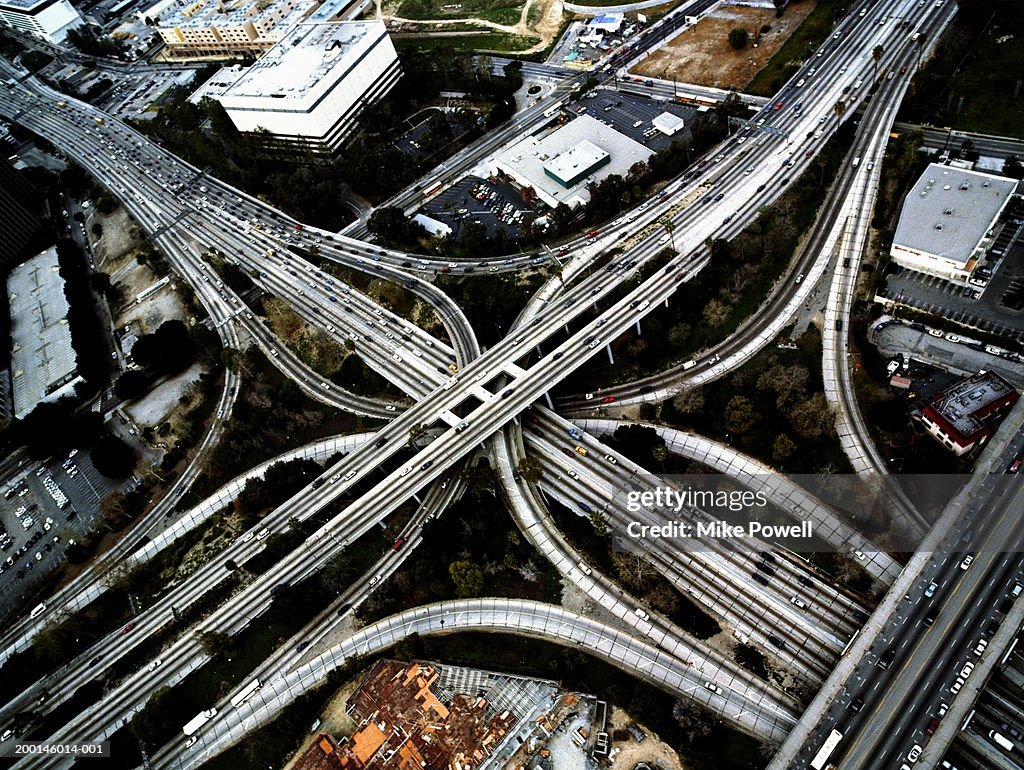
(192, 726)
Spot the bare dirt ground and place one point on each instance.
(163, 399)
(652, 750)
(539, 19)
(702, 54)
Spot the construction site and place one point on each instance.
(423, 715)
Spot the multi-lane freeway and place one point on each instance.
(472, 398)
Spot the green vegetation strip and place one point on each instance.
(801, 45)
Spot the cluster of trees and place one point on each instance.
(490, 302)
(90, 40)
(87, 333)
(706, 308)
(969, 78)
(772, 408)
(169, 350)
(472, 550)
(281, 480)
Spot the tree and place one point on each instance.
(670, 228)
(740, 415)
(813, 418)
(112, 457)
(531, 470)
(789, 383)
(660, 453)
(694, 720)
(416, 431)
(738, 38)
(214, 643)
(131, 384)
(394, 227)
(1013, 168)
(690, 401)
(783, 447)
(467, 577)
(839, 108)
(876, 56)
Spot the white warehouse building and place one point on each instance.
(48, 19)
(310, 88)
(557, 167)
(948, 221)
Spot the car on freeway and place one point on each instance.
(263, 533)
(967, 562)
(778, 106)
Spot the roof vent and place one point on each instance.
(948, 212)
(965, 186)
(938, 225)
(945, 187)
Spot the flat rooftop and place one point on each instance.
(295, 67)
(42, 359)
(22, 5)
(227, 13)
(964, 406)
(529, 156)
(949, 210)
(579, 158)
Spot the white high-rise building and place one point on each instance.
(310, 88)
(48, 19)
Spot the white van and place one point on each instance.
(1003, 743)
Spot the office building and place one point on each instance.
(50, 20)
(965, 415)
(310, 90)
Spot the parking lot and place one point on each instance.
(631, 115)
(43, 509)
(493, 204)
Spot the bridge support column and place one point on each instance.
(611, 357)
(550, 403)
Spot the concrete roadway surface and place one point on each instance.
(388, 494)
(987, 145)
(857, 674)
(716, 574)
(783, 493)
(928, 659)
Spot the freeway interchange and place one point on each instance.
(471, 399)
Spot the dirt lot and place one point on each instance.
(538, 19)
(702, 54)
(652, 750)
